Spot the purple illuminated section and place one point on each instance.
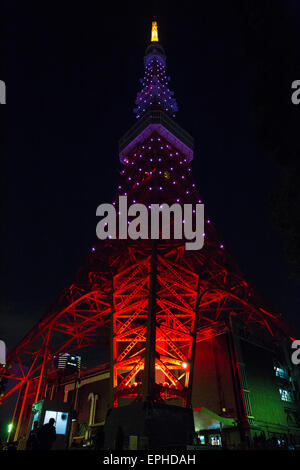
(163, 132)
(155, 93)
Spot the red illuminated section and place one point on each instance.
(175, 302)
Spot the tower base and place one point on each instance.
(148, 425)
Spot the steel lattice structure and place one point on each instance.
(155, 299)
(192, 287)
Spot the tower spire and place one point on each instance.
(155, 94)
(154, 32)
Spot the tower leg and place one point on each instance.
(40, 382)
(16, 436)
(112, 400)
(150, 354)
(237, 386)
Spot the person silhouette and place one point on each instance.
(33, 440)
(47, 435)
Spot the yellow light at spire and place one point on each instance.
(154, 32)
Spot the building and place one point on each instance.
(67, 361)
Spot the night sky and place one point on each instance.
(72, 74)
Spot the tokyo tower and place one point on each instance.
(156, 300)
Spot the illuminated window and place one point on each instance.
(285, 395)
(66, 360)
(281, 372)
(215, 440)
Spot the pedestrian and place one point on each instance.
(47, 435)
(33, 440)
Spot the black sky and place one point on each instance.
(72, 73)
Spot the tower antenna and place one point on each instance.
(154, 32)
